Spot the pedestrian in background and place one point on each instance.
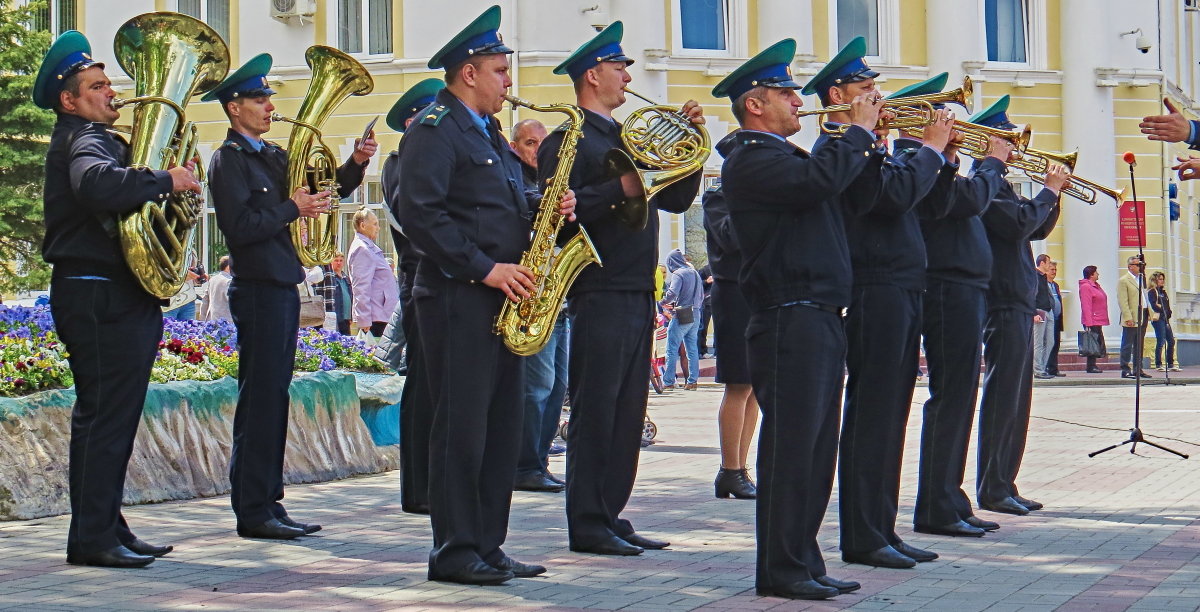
(371, 278)
(216, 298)
(683, 298)
(1093, 310)
(1160, 318)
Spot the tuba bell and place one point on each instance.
(663, 139)
(335, 77)
(170, 57)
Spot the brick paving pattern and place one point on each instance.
(1119, 532)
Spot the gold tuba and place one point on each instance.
(526, 325)
(664, 139)
(170, 57)
(312, 164)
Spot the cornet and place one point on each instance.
(909, 112)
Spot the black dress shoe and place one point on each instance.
(883, 557)
(642, 541)
(518, 569)
(536, 481)
(1127, 375)
(975, 521)
(804, 589)
(1028, 503)
(1007, 505)
(270, 530)
(117, 556)
(1143, 374)
(478, 573)
(919, 555)
(1095, 371)
(957, 528)
(843, 586)
(610, 546)
(554, 478)
(145, 548)
(307, 528)
(415, 508)
(734, 483)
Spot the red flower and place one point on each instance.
(195, 358)
(18, 382)
(20, 365)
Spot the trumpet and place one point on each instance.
(977, 138)
(1036, 164)
(909, 112)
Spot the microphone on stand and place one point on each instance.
(1130, 158)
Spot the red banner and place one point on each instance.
(1132, 224)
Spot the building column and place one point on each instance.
(1090, 232)
(951, 38)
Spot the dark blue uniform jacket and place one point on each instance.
(782, 204)
(629, 257)
(81, 212)
(1011, 222)
(252, 198)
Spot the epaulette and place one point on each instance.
(435, 114)
(232, 144)
(715, 187)
(272, 144)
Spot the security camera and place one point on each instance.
(1142, 42)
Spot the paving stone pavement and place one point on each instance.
(1119, 532)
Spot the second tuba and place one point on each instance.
(170, 57)
(663, 139)
(335, 77)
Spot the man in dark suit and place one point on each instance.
(1011, 221)
(1056, 294)
(462, 203)
(248, 178)
(611, 307)
(796, 278)
(959, 264)
(416, 405)
(110, 325)
(883, 324)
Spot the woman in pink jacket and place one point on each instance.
(371, 277)
(1094, 309)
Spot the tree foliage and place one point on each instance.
(24, 139)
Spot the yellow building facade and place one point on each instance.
(1082, 73)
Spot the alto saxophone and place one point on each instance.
(526, 325)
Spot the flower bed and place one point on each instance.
(33, 359)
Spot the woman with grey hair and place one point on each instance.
(371, 277)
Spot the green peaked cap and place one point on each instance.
(770, 68)
(418, 97)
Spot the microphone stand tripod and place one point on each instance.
(1135, 434)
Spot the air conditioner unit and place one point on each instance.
(1192, 6)
(285, 10)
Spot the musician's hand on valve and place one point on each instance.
(183, 179)
(953, 145)
(311, 204)
(515, 280)
(937, 134)
(1000, 149)
(865, 110)
(694, 112)
(1056, 177)
(1188, 167)
(566, 206)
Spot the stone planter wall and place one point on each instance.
(183, 444)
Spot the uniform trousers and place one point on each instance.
(1004, 407)
(797, 377)
(883, 332)
(267, 317)
(416, 415)
(111, 329)
(953, 328)
(608, 376)
(475, 384)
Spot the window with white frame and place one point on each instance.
(859, 18)
(703, 26)
(365, 26)
(213, 12)
(1006, 23)
(55, 16)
